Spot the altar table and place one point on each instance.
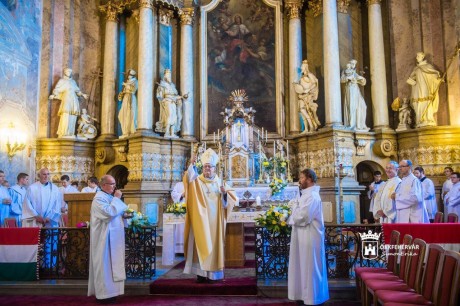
(234, 238)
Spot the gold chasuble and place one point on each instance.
(205, 223)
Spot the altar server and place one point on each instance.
(307, 274)
(42, 204)
(452, 198)
(384, 205)
(429, 195)
(18, 194)
(107, 243)
(410, 207)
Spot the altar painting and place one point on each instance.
(241, 54)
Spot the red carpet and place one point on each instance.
(238, 281)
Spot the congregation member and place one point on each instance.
(93, 185)
(452, 198)
(42, 203)
(207, 203)
(384, 205)
(107, 243)
(446, 186)
(18, 194)
(429, 194)
(5, 200)
(410, 207)
(178, 195)
(374, 188)
(307, 274)
(75, 185)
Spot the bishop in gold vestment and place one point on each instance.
(208, 202)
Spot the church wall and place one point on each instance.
(20, 42)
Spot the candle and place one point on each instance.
(258, 135)
(287, 149)
(214, 137)
(266, 136)
(218, 135)
(191, 149)
(258, 201)
(274, 148)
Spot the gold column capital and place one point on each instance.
(165, 16)
(316, 6)
(293, 8)
(111, 9)
(186, 15)
(370, 2)
(146, 4)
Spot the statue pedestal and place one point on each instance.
(403, 127)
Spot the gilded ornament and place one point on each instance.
(316, 6)
(293, 10)
(112, 9)
(165, 17)
(186, 16)
(238, 167)
(146, 4)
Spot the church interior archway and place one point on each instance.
(365, 176)
(120, 173)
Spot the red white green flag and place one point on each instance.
(18, 253)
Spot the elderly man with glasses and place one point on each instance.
(410, 207)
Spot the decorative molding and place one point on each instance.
(165, 16)
(146, 4)
(321, 161)
(112, 9)
(177, 4)
(155, 167)
(76, 167)
(293, 8)
(360, 147)
(433, 159)
(187, 15)
(104, 155)
(385, 148)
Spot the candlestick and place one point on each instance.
(191, 149)
(266, 136)
(274, 148)
(218, 135)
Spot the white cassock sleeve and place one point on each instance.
(304, 214)
(177, 192)
(408, 196)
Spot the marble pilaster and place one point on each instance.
(186, 72)
(377, 65)
(165, 40)
(331, 64)
(295, 60)
(145, 92)
(110, 69)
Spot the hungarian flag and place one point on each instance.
(18, 253)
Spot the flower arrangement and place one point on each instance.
(275, 219)
(177, 208)
(277, 185)
(137, 221)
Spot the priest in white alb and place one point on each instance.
(384, 206)
(208, 203)
(107, 243)
(42, 204)
(452, 198)
(307, 274)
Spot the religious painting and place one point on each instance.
(241, 51)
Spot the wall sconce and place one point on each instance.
(15, 140)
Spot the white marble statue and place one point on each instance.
(170, 107)
(68, 92)
(86, 129)
(354, 110)
(404, 113)
(425, 81)
(128, 112)
(307, 90)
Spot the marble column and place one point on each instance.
(345, 32)
(331, 64)
(295, 61)
(186, 72)
(108, 105)
(377, 65)
(145, 67)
